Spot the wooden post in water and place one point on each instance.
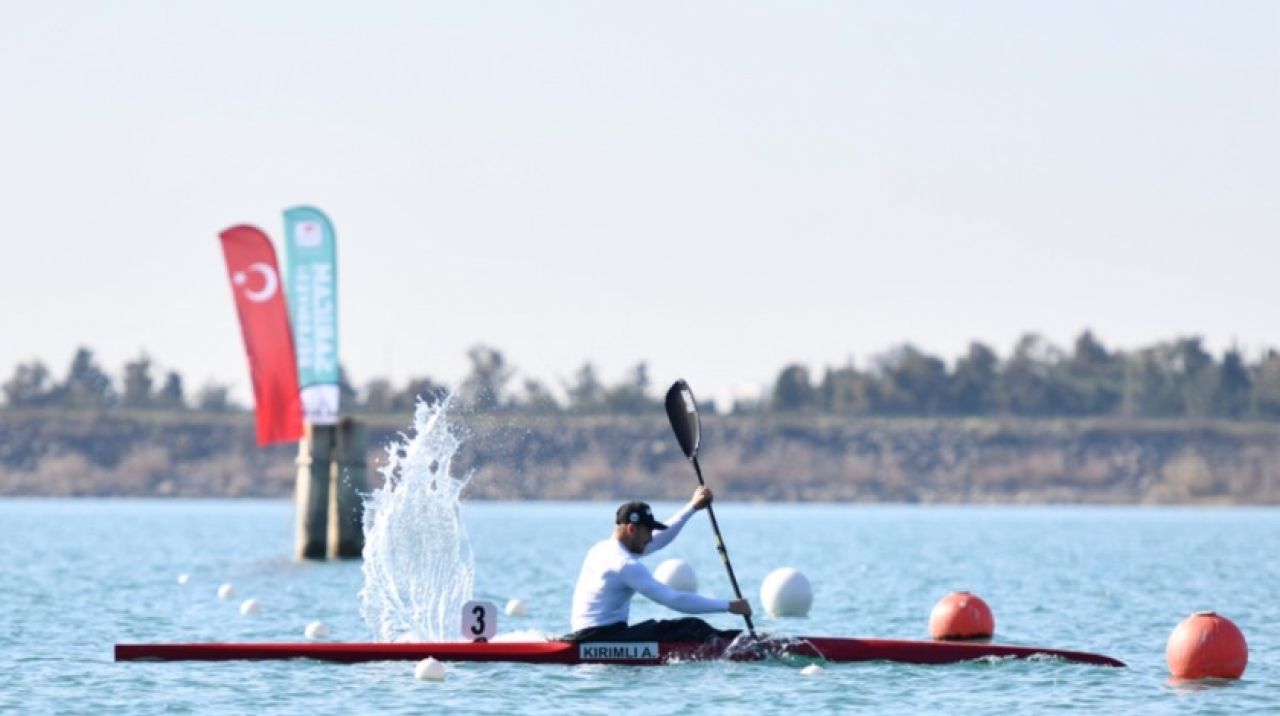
(315, 458)
(350, 483)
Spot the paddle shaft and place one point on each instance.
(724, 553)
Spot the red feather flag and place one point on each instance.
(264, 321)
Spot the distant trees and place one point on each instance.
(379, 396)
(88, 386)
(537, 398)
(29, 386)
(485, 387)
(214, 398)
(423, 388)
(911, 382)
(974, 386)
(844, 391)
(632, 394)
(1264, 394)
(171, 395)
(793, 391)
(1232, 399)
(1173, 379)
(1179, 378)
(1093, 378)
(586, 393)
(137, 383)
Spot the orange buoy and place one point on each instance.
(1206, 646)
(961, 615)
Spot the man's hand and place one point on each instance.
(741, 607)
(701, 497)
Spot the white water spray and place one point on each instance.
(418, 565)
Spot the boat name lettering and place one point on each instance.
(619, 651)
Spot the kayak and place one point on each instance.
(637, 653)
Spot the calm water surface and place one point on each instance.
(78, 576)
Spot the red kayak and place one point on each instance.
(563, 652)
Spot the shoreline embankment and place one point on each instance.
(121, 453)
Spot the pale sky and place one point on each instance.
(717, 188)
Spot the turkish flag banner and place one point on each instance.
(264, 322)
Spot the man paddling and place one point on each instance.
(611, 575)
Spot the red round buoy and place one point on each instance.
(961, 615)
(1206, 646)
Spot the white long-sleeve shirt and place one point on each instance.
(611, 575)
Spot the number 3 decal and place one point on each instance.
(479, 620)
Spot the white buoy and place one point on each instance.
(184, 578)
(429, 670)
(250, 606)
(811, 670)
(517, 608)
(786, 593)
(226, 591)
(677, 574)
(317, 630)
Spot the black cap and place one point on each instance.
(638, 513)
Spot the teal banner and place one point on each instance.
(312, 281)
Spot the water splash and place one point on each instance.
(787, 650)
(418, 566)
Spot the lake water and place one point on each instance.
(78, 576)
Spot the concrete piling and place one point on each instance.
(350, 483)
(315, 454)
(331, 479)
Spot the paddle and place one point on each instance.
(682, 411)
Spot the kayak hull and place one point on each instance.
(639, 653)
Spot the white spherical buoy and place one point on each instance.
(317, 630)
(677, 574)
(517, 608)
(226, 591)
(184, 578)
(250, 606)
(786, 593)
(429, 670)
(811, 670)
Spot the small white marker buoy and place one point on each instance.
(184, 578)
(786, 593)
(317, 630)
(677, 574)
(250, 606)
(517, 608)
(429, 670)
(226, 591)
(811, 670)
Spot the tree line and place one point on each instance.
(1171, 379)
(1179, 378)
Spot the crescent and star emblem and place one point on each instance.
(269, 282)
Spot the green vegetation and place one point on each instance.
(1169, 423)
(1172, 379)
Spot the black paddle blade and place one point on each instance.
(682, 411)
